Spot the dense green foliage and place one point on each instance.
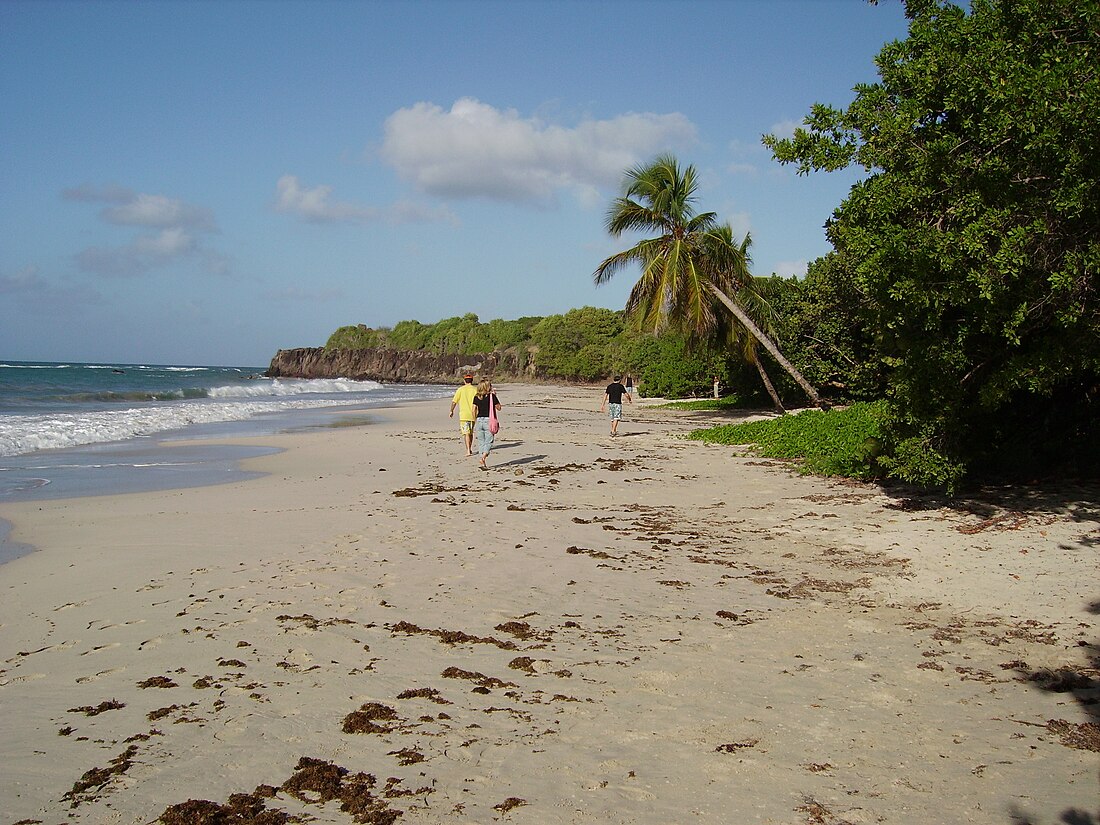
(583, 344)
(587, 344)
(843, 442)
(970, 253)
(464, 335)
(668, 367)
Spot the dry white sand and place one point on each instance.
(637, 630)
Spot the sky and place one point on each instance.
(202, 182)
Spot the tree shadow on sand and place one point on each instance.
(1079, 501)
(1010, 506)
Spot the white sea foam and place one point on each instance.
(281, 387)
(20, 434)
(36, 366)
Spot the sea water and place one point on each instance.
(77, 429)
(72, 429)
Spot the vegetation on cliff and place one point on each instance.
(588, 344)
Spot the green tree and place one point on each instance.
(750, 297)
(578, 345)
(668, 365)
(691, 262)
(408, 335)
(354, 337)
(975, 239)
(828, 330)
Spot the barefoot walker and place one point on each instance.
(613, 403)
(464, 400)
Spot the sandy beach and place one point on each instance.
(632, 630)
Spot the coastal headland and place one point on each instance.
(633, 630)
(399, 366)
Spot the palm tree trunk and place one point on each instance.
(768, 384)
(767, 343)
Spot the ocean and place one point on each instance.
(80, 429)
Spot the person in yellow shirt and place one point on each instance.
(464, 400)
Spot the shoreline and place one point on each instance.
(642, 629)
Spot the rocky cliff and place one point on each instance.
(398, 366)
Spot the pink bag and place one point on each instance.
(494, 422)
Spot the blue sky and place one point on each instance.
(202, 182)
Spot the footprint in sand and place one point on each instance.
(95, 677)
(16, 680)
(68, 605)
(98, 648)
(123, 624)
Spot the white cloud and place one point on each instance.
(740, 223)
(788, 269)
(24, 280)
(736, 168)
(144, 253)
(178, 223)
(475, 150)
(785, 128)
(744, 157)
(27, 287)
(316, 205)
(161, 212)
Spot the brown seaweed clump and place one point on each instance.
(1085, 736)
(102, 707)
(408, 756)
(241, 809)
(366, 718)
(157, 682)
(316, 781)
(430, 694)
(521, 630)
(452, 637)
(484, 682)
(509, 803)
(524, 663)
(94, 779)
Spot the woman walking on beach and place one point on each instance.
(486, 406)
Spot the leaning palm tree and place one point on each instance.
(733, 335)
(690, 262)
(747, 296)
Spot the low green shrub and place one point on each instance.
(840, 442)
(726, 402)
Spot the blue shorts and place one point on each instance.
(615, 411)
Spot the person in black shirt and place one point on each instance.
(613, 403)
(484, 401)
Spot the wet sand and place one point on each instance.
(631, 630)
